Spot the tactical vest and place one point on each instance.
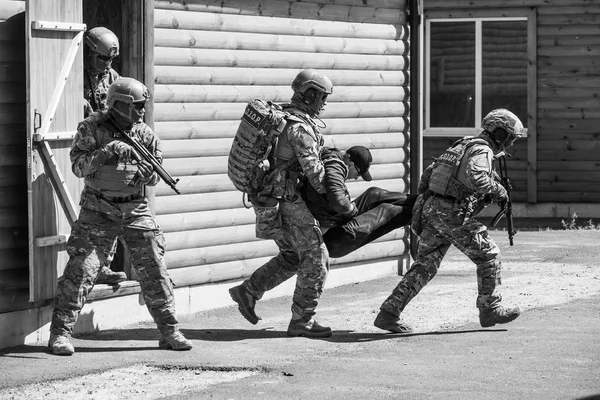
(443, 180)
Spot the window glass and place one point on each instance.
(452, 74)
(504, 67)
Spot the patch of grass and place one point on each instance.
(572, 224)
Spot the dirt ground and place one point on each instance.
(551, 352)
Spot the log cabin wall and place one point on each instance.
(13, 183)
(212, 57)
(561, 161)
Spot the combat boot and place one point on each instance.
(60, 345)
(308, 329)
(389, 322)
(246, 303)
(174, 341)
(110, 277)
(499, 315)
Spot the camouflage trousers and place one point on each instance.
(92, 238)
(443, 225)
(301, 252)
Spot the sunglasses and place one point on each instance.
(105, 58)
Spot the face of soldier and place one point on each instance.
(128, 115)
(99, 62)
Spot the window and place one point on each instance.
(473, 66)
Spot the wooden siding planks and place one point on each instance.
(211, 58)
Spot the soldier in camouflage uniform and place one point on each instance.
(113, 205)
(452, 191)
(101, 47)
(301, 249)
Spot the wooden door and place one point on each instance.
(54, 108)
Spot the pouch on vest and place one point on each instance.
(443, 179)
(268, 219)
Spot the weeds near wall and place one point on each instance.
(572, 224)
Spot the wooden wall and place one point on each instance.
(566, 165)
(212, 57)
(13, 183)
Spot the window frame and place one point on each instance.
(429, 131)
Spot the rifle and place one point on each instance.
(505, 205)
(141, 153)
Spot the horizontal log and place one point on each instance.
(257, 41)
(470, 12)
(550, 92)
(572, 40)
(551, 30)
(569, 103)
(584, 187)
(285, 9)
(245, 251)
(221, 183)
(218, 165)
(591, 113)
(221, 147)
(204, 238)
(271, 76)
(569, 125)
(275, 59)
(568, 176)
(241, 5)
(231, 111)
(570, 51)
(279, 94)
(10, 8)
(556, 134)
(568, 197)
(220, 131)
(183, 221)
(466, 4)
(569, 19)
(572, 82)
(561, 155)
(569, 9)
(276, 26)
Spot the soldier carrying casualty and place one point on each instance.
(452, 191)
(113, 205)
(300, 242)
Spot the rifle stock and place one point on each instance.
(141, 153)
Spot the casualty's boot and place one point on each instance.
(246, 303)
(389, 322)
(110, 277)
(174, 341)
(308, 329)
(498, 315)
(60, 345)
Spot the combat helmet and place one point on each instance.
(312, 88)
(509, 124)
(127, 98)
(102, 47)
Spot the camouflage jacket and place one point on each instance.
(95, 88)
(101, 171)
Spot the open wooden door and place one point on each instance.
(55, 92)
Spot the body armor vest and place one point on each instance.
(443, 180)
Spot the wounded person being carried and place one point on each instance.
(350, 224)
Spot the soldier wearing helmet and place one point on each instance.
(114, 205)
(452, 191)
(101, 48)
(301, 249)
